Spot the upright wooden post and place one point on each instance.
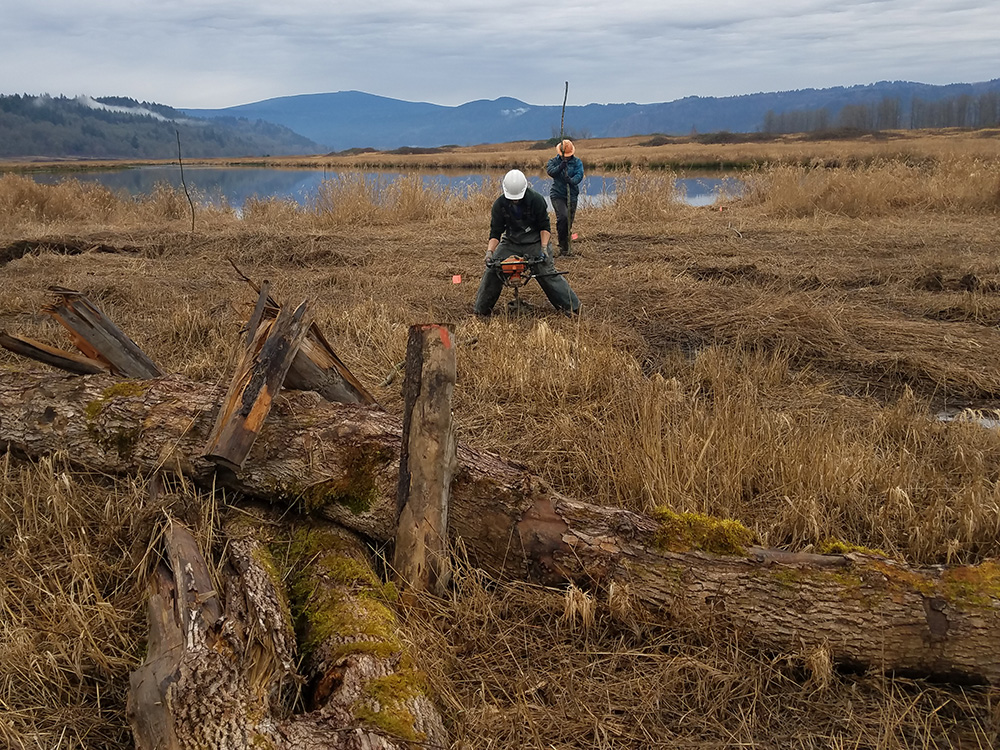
(428, 459)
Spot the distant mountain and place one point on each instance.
(122, 128)
(354, 119)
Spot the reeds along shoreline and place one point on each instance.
(959, 184)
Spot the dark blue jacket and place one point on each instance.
(565, 182)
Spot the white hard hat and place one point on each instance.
(514, 184)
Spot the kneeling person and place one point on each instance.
(519, 225)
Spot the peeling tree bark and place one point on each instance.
(342, 462)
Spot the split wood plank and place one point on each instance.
(316, 367)
(50, 355)
(259, 375)
(97, 337)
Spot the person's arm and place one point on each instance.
(541, 219)
(491, 247)
(554, 167)
(498, 223)
(575, 172)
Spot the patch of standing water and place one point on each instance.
(989, 418)
(233, 186)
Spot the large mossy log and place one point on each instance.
(341, 461)
(223, 668)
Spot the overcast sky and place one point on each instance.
(219, 53)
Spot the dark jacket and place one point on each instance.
(565, 181)
(522, 221)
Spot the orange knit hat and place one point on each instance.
(565, 148)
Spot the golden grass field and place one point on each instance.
(779, 359)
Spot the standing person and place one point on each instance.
(519, 225)
(566, 171)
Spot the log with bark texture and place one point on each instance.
(341, 461)
(220, 669)
(422, 559)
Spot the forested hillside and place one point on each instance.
(354, 119)
(122, 128)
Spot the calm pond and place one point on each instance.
(234, 185)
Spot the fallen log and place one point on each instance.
(221, 665)
(341, 461)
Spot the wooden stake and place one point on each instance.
(428, 460)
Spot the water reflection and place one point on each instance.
(233, 186)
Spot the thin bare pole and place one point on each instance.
(562, 119)
(183, 183)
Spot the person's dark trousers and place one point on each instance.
(557, 290)
(565, 213)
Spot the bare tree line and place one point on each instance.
(963, 111)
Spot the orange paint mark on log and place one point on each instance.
(442, 332)
(445, 337)
(258, 412)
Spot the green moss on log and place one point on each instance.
(832, 546)
(682, 532)
(386, 705)
(973, 586)
(357, 487)
(334, 595)
(112, 438)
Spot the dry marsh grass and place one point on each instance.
(958, 184)
(779, 361)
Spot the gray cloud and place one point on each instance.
(221, 53)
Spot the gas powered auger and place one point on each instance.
(515, 272)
